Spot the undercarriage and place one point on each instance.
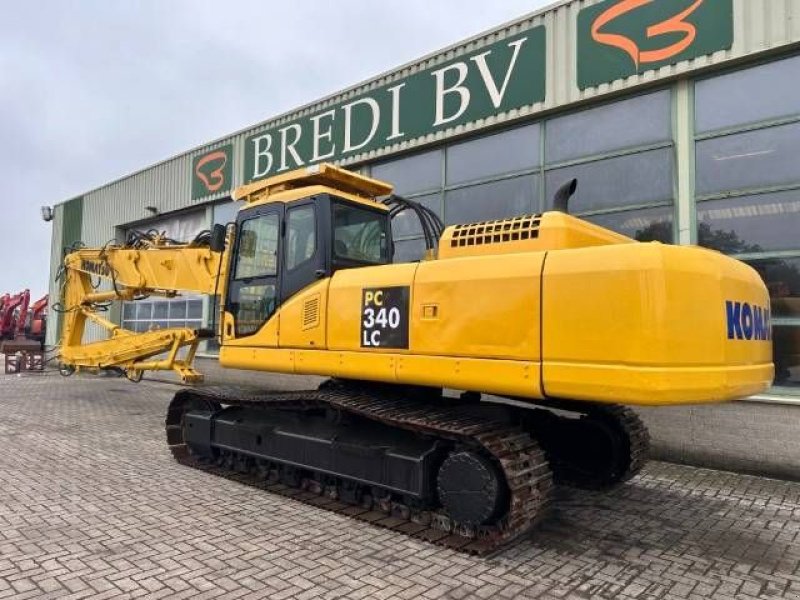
(464, 474)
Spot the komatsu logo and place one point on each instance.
(97, 268)
(747, 321)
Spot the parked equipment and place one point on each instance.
(561, 321)
(13, 315)
(36, 322)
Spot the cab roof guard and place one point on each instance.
(324, 174)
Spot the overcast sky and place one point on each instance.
(93, 90)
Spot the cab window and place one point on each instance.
(301, 236)
(258, 247)
(359, 235)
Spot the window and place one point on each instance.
(359, 234)
(413, 174)
(406, 223)
(490, 201)
(301, 235)
(782, 277)
(753, 159)
(630, 180)
(643, 225)
(409, 251)
(498, 154)
(258, 247)
(149, 315)
(630, 123)
(746, 96)
(255, 304)
(753, 223)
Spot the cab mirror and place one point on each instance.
(218, 235)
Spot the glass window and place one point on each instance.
(129, 311)
(622, 181)
(160, 310)
(177, 309)
(748, 96)
(782, 276)
(255, 304)
(359, 234)
(507, 152)
(490, 201)
(301, 236)
(144, 311)
(759, 223)
(417, 173)
(753, 159)
(194, 309)
(406, 223)
(645, 225)
(258, 247)
(786, 355)
(409, 250)
(628, 123)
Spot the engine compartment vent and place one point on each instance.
(517, 229)
(311, 312)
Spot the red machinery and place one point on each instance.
(13, 314)
(22, 329)
(36, 324)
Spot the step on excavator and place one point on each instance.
(461, 387)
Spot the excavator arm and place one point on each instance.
(158, 267)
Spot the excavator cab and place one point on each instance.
(294, 235)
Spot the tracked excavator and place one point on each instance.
(461, 387)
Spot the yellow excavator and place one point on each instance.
(461, 386)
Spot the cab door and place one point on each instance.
(255, 278)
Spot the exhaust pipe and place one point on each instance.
(562, 196)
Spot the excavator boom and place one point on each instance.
(157, 268)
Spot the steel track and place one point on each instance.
(523, 463)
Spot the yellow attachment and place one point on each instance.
(325, 174)
(128, 350)
(163, 270)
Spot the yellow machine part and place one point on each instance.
(159, 270)
(623, 322)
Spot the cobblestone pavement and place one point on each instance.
(92, 505)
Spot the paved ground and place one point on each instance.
(91, 505)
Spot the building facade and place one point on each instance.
(680, 119)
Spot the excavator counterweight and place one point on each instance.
(544, 325)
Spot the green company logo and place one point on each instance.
(212, 172)
(620, 38)
(503, 76)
